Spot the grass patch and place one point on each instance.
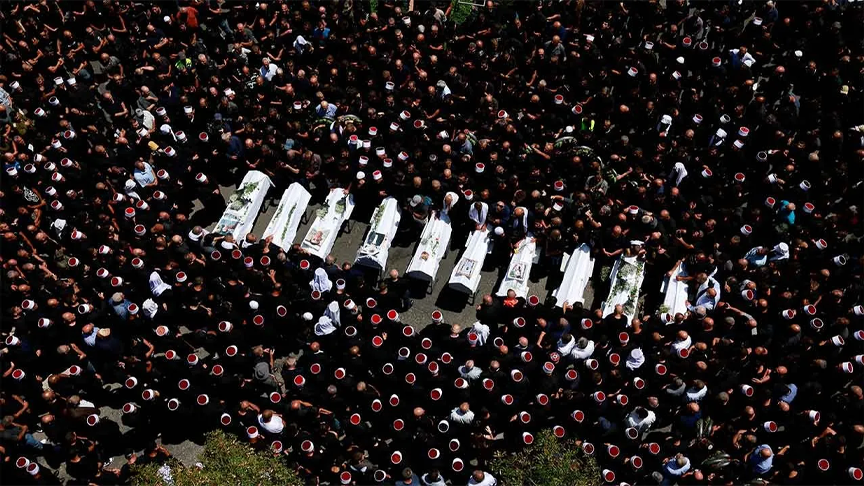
(460, 12)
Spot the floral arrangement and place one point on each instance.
(242, 196)
(376, 218)
(341, 205)
(288, 222)
(626, 282)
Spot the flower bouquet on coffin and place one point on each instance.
(626, 277)
(430, 245)
(241, 199)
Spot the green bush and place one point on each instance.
(549, 461)
(226, 461)
(461, 11)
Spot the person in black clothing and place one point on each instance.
(709, 157)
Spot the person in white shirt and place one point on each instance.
(481, 478)
(584, 349)
(268, 70)
(478, 213)
(271, 422)
(462, 414)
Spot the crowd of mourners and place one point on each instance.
(724, 138)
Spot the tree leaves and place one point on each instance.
(548, 462)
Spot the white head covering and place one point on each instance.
(636, 359)
(299, 43)
(59, 225)
(321, 282)
(482, 331)
(781, 251)
(479, 217)
(324, 327)
(332, 312)
(157, 286)
(150, 308)
(524, 217)
(680, 173)
(455, 198)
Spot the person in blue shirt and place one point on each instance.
(787, 212)
(761, 460)
(791, 393)
(322, 32)
(120, 305)
(326, 110)
(144, 174)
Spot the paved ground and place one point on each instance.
(455, 306)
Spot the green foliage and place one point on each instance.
(549, 461)
(226, 461)
(460, 12)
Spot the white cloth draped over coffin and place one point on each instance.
(630, 271)
(322, 234)
(466, 275)
(430, 251)
(244, 205)
(675, 292)
(577, 272)
(516, 277)
(286, 219)
(382, 229)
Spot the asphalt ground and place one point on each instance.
(456, 307)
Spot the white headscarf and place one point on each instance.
(636, 359)
(150, 308)
(445, 209)
(524, 217)
(680, 173)
(321, 283)
(324, 327)
(479, 217)
(781, 252)
(332, 313)
(482, 331)
(157, 286)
